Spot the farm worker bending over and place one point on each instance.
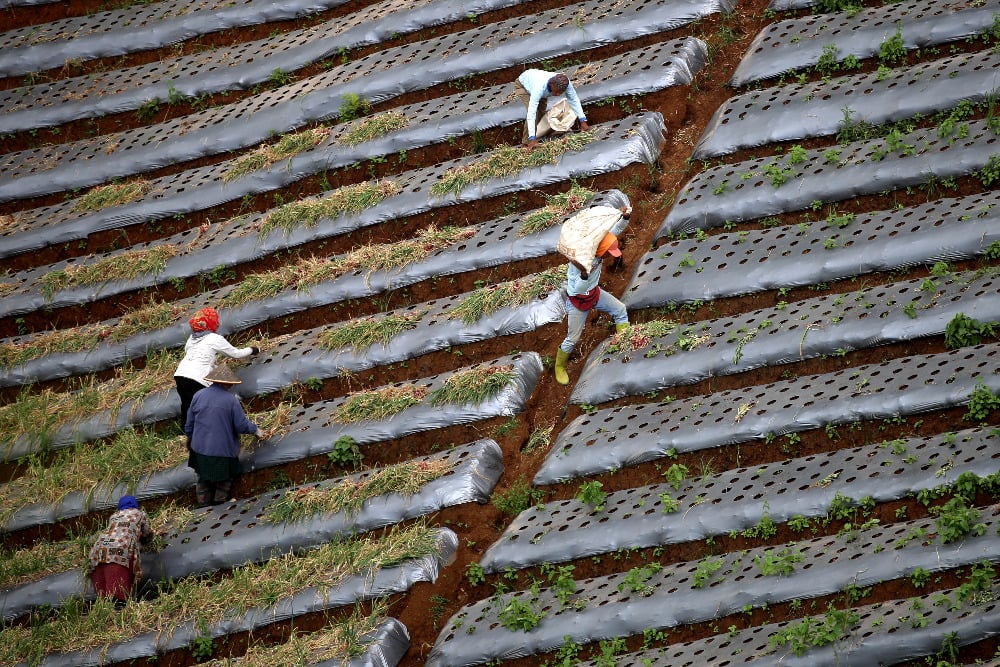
(213, 428)
(200, 352)
(582, 290)
(114, 563)
(533, 88)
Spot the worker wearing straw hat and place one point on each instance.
(214, 423)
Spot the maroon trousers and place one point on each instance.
(112, 580)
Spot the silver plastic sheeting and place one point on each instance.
(385, 647)
(475, 635)
(731, 264)
(800, 111)
(86, 162)
(614, 438)
(390, 73)
(238, 242)
(806, 487)
(885, 635)
(747, 190)
(828, 325)
(122, 31)
(616, 145)
(495, 243)
(367, 586)
(798, 43)
(203, 546)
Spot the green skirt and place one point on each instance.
(214, 468)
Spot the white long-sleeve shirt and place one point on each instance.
(536, 82)
(200, 353)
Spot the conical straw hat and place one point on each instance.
(222, 374)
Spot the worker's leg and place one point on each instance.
(112, 580)
(576, 318)
(522, 94)
(221, 491)
(203, 492)
(607, 303)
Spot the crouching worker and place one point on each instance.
(576, 241)
(114, 562)
(214, 424)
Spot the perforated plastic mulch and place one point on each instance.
(615, 437)
(830, 325)
(92, 161)
(235, 533)
(769, 186)
(799, 111)
(729, 264)
(797, 43)
(606, 607)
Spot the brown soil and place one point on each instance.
(687, 112)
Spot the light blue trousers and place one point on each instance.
(606, 303)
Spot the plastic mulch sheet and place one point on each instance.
(236, 533)
(394, 71)
(608, 606)
(612, 438)
(385, 647)
(311, 432)
(806, 487)
(383, 582)
(830, 325)
(800, 111)
(617, 145)
(798, 43)
(944, 230)
(791, 182)
(888, 633)
(87, 162)
(496, 242)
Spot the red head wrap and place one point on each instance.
(206, 319)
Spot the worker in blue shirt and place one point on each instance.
(214, 423)
(533, 88)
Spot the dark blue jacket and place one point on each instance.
(215, 421)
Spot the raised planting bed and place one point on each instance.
(189, 254)
(731, 264)
(803, 492)
(503, 390)
(611, 438)
(797, 43)
(112, 33)
(660, 354)
(253, 596)
(541, 619)
(293, 520)
(400, 69)
(800, 111)
(887, 633)
(88, 161)
(791, 182)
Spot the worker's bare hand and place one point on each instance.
(584, 126)
(626, 210)
(532, 144)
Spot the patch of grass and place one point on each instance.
(348, 496)
(556, 207)
(36, 414)
(309, 271)
(473, 385)
(638, 336)
(349, 199)
(379, 404)
(126, 266)
(519, 497)
(362, 333)
(339, 639)
(508, 160)
(114, 194)
(127, 457)
(287, 146)
(374, 127)
(488, 300)
(77, 626)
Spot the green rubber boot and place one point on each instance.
(622, 327)
(562, 377)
